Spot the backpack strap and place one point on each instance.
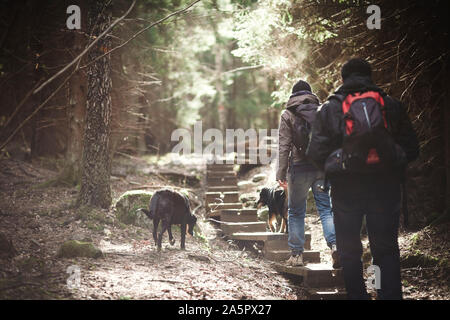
(337, 96)
(297, 117)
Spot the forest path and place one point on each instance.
(39, 218)
(243, 225)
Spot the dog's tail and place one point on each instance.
(153, 207)
(147, 213)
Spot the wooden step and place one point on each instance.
(224, 181)
(247, 161)
(239, 215)
(212, 197)
(223, 189)
(219, 167)
(282, 244)
(224, 206)
(229, 228)
(335, 293)
(219, 174)
(283, 255)
(259, 236)
(315, 275)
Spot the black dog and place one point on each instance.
(171, 208)
(276, 201)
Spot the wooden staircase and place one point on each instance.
(241, 224)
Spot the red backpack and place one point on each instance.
(367, 144)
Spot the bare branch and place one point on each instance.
(37, 109)
(245, 68)
(85, 50)
(140, 32)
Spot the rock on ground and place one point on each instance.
(127, 204)
(259, 177)
(74, 248)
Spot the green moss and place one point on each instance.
(415, 239)
(73, 248)
(127, 204)
(420, 259)
(93, 226)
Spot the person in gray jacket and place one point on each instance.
(296, 174)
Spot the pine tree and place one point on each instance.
(96, 166)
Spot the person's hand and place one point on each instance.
(283, 184)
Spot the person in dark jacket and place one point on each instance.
(375, 195)
(302, 176)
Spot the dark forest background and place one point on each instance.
(230, 64)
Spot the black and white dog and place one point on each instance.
(276, 200)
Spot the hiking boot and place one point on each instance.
(298, 261)
(291, 259)
(335, 257)
(295, 260)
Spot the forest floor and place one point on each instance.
(38, 217)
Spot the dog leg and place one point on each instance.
(155, 230)
(282, 226)
(183, 236)
(271, 222)
(164, 226)
(171, 239)
(269, 225)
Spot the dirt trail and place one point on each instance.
(39, 219)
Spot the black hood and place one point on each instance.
(357, 83)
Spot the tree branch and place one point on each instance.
(77, 61)
(245, 68)
(139, 32)
(38, 108)
(85, 50)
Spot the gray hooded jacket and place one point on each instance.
(306, 104)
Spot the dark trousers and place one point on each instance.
(380, 201)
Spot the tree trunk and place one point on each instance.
(447, 141)
(75, 118)
(219, 88)
(96, 167)
(35, 51)
(75, 112)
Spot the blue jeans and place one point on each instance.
(299, 182)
